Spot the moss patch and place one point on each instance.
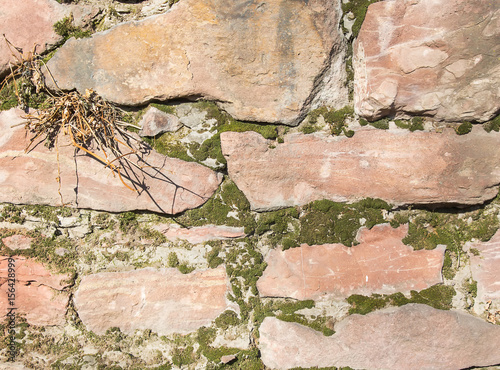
(66, 28)
(464, 128)
(336, 119)
(437, 296)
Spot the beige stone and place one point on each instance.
(441, 58)
(259, 61)
(37, 295)
(16, 242)
(381, 264)
(166, 185)
(398, 166)
(163, 300)
(155, 122)
(413, 336)
(200, 234)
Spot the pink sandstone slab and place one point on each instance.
(261, 61)
(166, 185)
(381, 264)
(398, 166)
(438, 58)
(16, 242)
(27, 23)
(486, 268)
(155, 122)
(413, 336)
(38, 295)
(163, 300)
(200, 234)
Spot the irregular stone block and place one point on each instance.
(163, 300)
(399, 166)
(260, 61)
(200, 234)
(164, 184)
(16, 242)
(38, 295)
(486, 268)
(27, 23)
(429, 57)
(413, 336)
(155, 122)
(381, 264)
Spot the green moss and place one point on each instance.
(417, 124)
(448, 271)
(382, 124)
(437, 296)
(183, 356)
(173, 260)
(128, 221)
(185, 269)
(471, 288)
(213, 258)
(475, 251)
(358, 8)
(279, 222)
(8, 98)
(336, 119)
(464, 128)
(493, 125)
(66, 28)
(226, 319)
(170, 109)
(363, 122)
(327, 222)
(172, 149)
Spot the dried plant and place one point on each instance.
(93, 125)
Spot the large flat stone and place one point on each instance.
(438, 58)
(260, 60)
(27, 23)
(486, 268)
(38, 295)
(164, 184)
(381, 264)
(163, 300)
(398, 166)
(410, 337)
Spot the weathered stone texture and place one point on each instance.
(261, 61)
(37, 292)
(163, 300)
(486, 268)
(166, 185)
(16, 242)
(27, 23)
(398, 166)
(409, 337)
(439, 58)
(200, 234)
(155, 122)
(381, 263)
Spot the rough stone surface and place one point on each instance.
(27, 23)
(438, 58)
(486, 268)
(37, 295)
(155, 122)
(163, 300)
(409, 337)
(381, 263)
(398, 166)
(200, 234)
(168, 185)
(16, 242)
(260, 61)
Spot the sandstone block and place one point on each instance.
(200, 234)
(381, 264)
(398, 166)
(409, 337)
(16, 242)
(261, 61)
(155, 122)
(38, 295)
(27, 23)
(429, 57)
(165, 185)
(486, 268)
(163, 300)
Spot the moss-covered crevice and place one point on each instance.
(336, 119)
(437, 296)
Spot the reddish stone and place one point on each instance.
(16, 242)
(200, 234)
(155, 122)
(398, 166)
(37, 292)
(486, 268)
(163, 300)
(414, 336)
(381, 263)
(27, 23)
(437, 58)
(165, 185)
